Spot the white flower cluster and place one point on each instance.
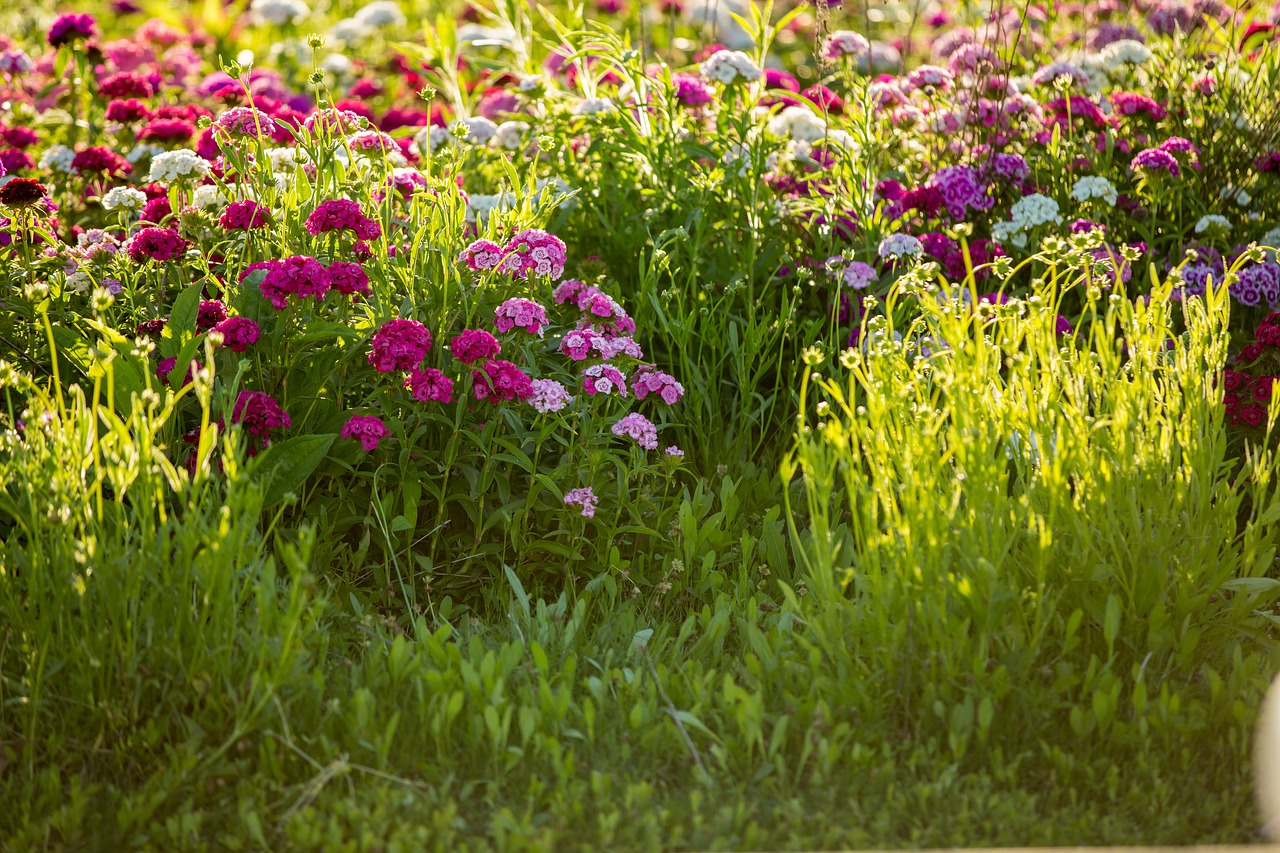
(1124, 52)
(336, 64)
(1095, 186)
(180, 166)
(1027, 213)
(381, 13)
(208, 197)
(431, 138)
(57, 158)
(479, 130)
(798, 123)
(594, 106)
(899, 245)
(279, 12)
(124, 198)
(730, 66)
(479, 206)
(1213, 222)
(1240, 196)
(510, 135)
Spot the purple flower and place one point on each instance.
(70, 28)
(585, 498)
(369, 430)
(638, 427)
(1156, 160)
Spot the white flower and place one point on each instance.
(348, 30)
(480, 206)
(510, 134)
(124, 198)
(279, 12)
(1095, 186)
(432, 137)
(594, 106)
(79, 281)
(178, 166)
(1035, 209)
(1239, 196)
(1051, 72)
(1125, 52)
(285, 159)
(336, 64)
(381, 13)
(530, 83)
(730, 66)
(479, 130)
(57, 158)
(798, 123)
(899, 245)
(1002, 231)
(143, 151)
(207, 196)
(1213, 222)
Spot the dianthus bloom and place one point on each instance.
(238, 333)
(472, 345)
(342, 215)
(244, 216)
(603, 379)
(638, 427)
(844, 43)
(399, 345)
(691, 91)
(481, 255)
(298, 276)
(522, 314)
(70, 28)
(856, 275)
(245, 121)
(578, 343)
(648, 379)
(159, 244)
(674, 452)
(369, 430)
(899, 245)
(258, 413)
(500, 380)
(22, 192)
(730, 66)
(100, 161)
(429, 386)
(210, 313)
(584, 498)
(1155, 160)
(534, 251)
(549, 396)
(1132, 103)
(348, 278)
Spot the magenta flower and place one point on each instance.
(342, 215)
(71, 28)
(348, 277)
(691, 90)
(472, 345)
(534, 252)
(244, 216)
(521, 313)
(500, 380)
(210, 313)
(481, 255)
(603, 379)
(258, 413)
(579, 343)
(399, 345)
(369, 430)
(429, 386)
(157, 244)
(1155, 160)
(648, 379)
(238, 333)
(300, 276)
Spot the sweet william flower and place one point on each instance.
(399, 344)
(366, 429)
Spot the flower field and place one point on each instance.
(698, 424)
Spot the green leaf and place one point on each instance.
(182, 321)
(284, 466)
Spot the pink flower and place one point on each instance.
(245, 121)
(244, 216)
(368, 429)
(649, 380)
(534, 252)
(348, 277)
(549, 396)
(520, 313)
(674, 452)
(500, 380)
(300, 276)
(578, 343)
(157, 244)
(342, 215)
(567, 291)
(258, 414)
(429, 386)
(585, 498)
(238, 333)
(1156, 160)
(472, 345)
(399, 345)
(481, 255)
(603, 379)
(638, 427)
